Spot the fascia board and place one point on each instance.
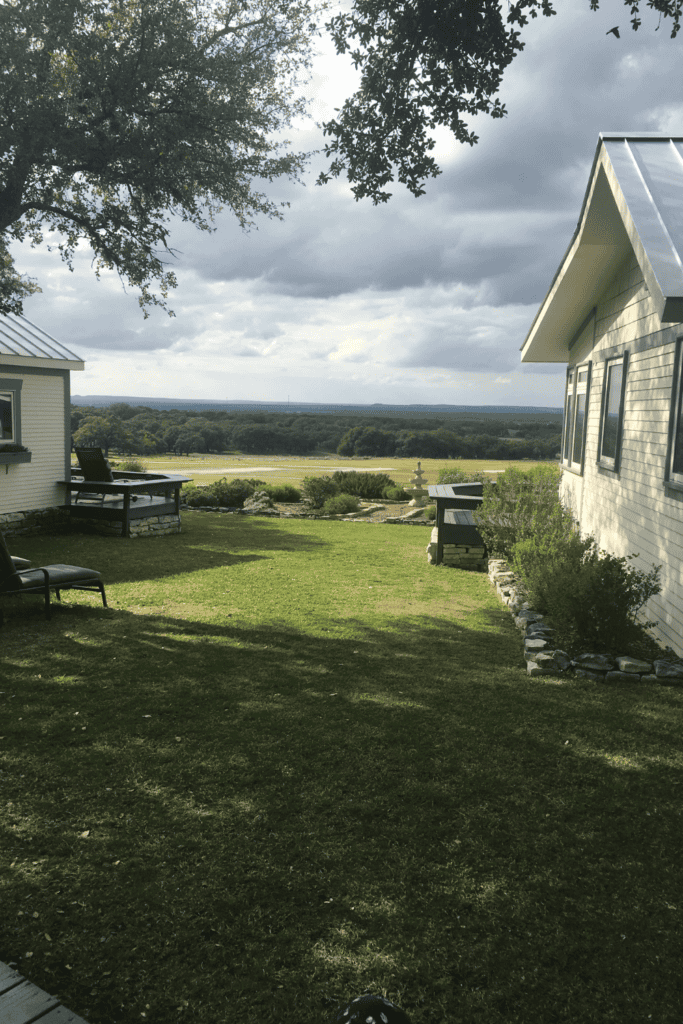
(36, 362)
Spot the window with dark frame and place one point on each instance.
(613, 389)
(576, 405)
(6, 416)
(675, 460)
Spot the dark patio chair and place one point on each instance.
(58, 577)
(95, 467)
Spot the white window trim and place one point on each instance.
(675, 415)
(606, 461)
(574, 389)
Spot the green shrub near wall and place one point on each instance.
(522, 505)
(223, 493)
(590, 592)
(370, 486)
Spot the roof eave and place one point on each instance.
(36, 362)
(556, 322)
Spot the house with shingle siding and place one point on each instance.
(614, 315)
(35, 421)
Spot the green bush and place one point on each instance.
(364, 485)
(587, 591)
(317, 489)
(223, 493)
(340, 504)
(131, 466)
(392, 493)
(454, 475)
(520, 505)
(283, 493)
(430, 512)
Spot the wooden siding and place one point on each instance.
(32, 485)
(630, 512)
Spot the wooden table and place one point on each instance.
(454, 506)
(118, 498)
(23, 1003)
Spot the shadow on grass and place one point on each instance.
(207, 541)
(240, 822)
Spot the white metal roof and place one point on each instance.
(21, 342)
(634, 201)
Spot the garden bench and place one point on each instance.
(21, 1002)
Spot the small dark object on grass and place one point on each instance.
(367, 1008)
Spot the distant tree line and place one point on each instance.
(139, 430)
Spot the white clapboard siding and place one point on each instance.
(631, 513)
(33, 485)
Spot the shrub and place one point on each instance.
(430, 512)
(340, 504)
(452, 476)
(589, 592)
(520, 505)
(365, 485)
(317, 489)
(223, 493)
(459, 476)
(283, 493)
(131, 466)
(392, 493)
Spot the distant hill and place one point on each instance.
(377, 408)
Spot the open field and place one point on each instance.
(292, 762)
(206, 469)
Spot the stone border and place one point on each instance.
(543, 659)
(273, 512)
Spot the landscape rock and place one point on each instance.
(627, 664)
(620, 677)
(667, 670)
(594, 662)
(258, 502)
(526, 616)
(584, 673)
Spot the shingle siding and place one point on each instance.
(629, 512)
(32, 485)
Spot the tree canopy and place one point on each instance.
(116, 114)
(426, 64)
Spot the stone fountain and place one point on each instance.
(417, 488)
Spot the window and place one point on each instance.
(6, 416)
(674, 462)
(10, 410)
(613, 390)
(576, 404)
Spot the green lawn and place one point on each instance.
(292, 762)
(289, 469)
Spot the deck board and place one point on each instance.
(22, 1002)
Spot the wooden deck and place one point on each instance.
(23, 1003)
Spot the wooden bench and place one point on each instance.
(454, 522)
(23, 1003)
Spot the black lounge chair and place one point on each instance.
(21, 580)
(95, 468)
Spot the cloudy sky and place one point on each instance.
(422, 300)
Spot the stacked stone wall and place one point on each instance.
(58, 520)
(460, 556)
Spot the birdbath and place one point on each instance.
(417, 488)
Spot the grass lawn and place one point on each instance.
(289, 469)
(292, 762)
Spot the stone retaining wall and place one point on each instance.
(34, 522)
(543, 658)
(58, 520)
(461, 556)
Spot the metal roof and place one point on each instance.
(633, 202)
(23, 342)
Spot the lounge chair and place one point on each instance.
(21, 580)
(96, 468)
